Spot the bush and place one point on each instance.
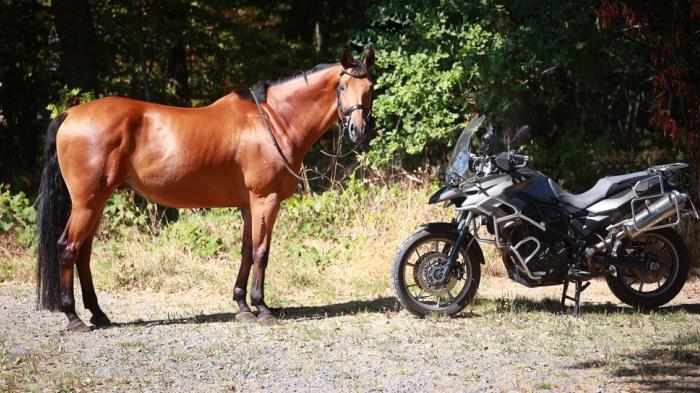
(17, 216)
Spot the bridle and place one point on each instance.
(344, 114)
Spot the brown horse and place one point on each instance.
(227, 154)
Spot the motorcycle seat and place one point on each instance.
(602, 189)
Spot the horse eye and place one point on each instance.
(342, 87)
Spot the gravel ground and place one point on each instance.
(190, 342)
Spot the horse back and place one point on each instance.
(183, 157)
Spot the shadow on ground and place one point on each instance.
(390, 305)
(552, 305)
(671, 366)
(380, 305)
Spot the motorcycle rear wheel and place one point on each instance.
(664, 281)
(416, 268)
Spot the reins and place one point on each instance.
(342, 116)
(274, 140)
(284, 159)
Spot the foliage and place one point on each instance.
(17, 216)
(541, 63)
(663, 37)
(121, 213)
(67, 98)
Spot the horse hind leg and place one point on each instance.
(99, 318)
(78, 232)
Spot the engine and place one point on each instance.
(537, 255)
(554, 255)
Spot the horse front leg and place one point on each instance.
(239, 290)
(263, 215)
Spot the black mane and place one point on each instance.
(260, 88)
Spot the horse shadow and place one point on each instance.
(295, 313)
(389, 306)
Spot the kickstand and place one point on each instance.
(580, 287)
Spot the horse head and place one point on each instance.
(354, 91)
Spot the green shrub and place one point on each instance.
(17, 216)
(121, 213)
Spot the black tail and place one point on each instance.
(54, 210)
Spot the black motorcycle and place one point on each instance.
(621, 229)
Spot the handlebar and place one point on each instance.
(525, 158)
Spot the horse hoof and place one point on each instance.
(246, 317)
(267, 320)
(77, 326)
(100, 321)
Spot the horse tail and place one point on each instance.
(54, 210)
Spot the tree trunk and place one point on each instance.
(76, 35)
(177, 71)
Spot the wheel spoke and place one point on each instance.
(641, 285)
(446, 249)
(417, 253)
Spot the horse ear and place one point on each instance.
(369, 58)
(347, 60)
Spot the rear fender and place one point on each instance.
(449, 227)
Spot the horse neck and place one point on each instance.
(305, 108)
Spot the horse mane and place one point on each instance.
(260, 88)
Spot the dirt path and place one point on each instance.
(189, 342)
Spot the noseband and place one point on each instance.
(344, 114)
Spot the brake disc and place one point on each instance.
(428, 271)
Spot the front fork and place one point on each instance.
(463, 224)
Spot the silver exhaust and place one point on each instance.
(667, 206)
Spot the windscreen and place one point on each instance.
(459, 162)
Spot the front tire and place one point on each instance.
(664, 280)
(417, 265)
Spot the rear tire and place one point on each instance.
(467, 273)
(674, 267)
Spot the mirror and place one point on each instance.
(490, 139)
(522, 136)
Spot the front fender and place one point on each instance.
(451, 227)
(445, 193)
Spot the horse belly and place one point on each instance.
(192, 190)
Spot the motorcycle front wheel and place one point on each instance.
(419, 264)
(662, 277)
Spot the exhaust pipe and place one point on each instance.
(660, 210)
(653, 214)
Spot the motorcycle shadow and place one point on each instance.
(553, 306)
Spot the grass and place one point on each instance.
(329, 247)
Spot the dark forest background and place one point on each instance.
(607, 86)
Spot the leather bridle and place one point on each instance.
(344, 114)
